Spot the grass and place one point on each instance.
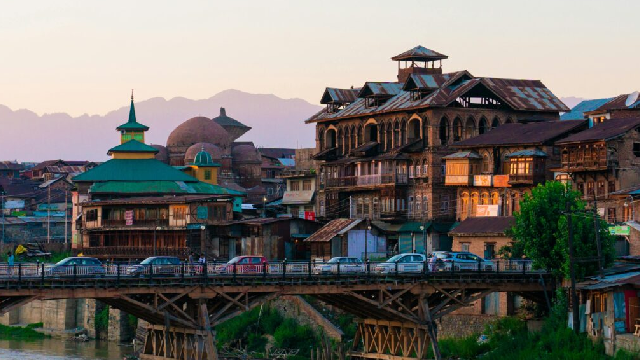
(21, 333)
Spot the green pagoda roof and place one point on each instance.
(134, 170)
(132, 124)
(161, 187)
(134, 146)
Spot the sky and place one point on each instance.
(85, 56)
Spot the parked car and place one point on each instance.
(462, 260)
(403, 263)
(77, 266)
(243, 265)
(345, 264)
(160, 265)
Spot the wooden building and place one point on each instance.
(382, 146)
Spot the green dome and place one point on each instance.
(203, 158)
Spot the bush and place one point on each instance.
(21, 333)
(102, 319)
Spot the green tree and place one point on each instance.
(540, 231)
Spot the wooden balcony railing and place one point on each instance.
(367, 180)
(527, 179)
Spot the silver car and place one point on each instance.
(462, 260)
(402, 263)
(346, 265)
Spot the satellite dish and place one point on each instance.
(631, 99)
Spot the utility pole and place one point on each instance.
(596, 225)
(66, 210)
(572, 272)
(2, 196)
(49, 214)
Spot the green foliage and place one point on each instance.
(347, 323)
(102, 319)
(252, 326)
(21, 333)
(132, 320)
(540, 231)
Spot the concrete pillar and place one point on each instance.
(120, 329)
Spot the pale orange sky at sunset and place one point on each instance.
(85, 56)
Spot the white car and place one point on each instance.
(462, 260)
(403, 263)
(346, 264)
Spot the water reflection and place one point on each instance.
(49, 349)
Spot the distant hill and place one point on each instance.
(572, 101)
(276, 122)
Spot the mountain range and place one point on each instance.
(275, 122)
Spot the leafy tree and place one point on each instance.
(540, 231)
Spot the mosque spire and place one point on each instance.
(132, 110)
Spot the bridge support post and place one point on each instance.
(390, 340)
(177, 344)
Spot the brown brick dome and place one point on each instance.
(245, 153)
(163, 154)
(213, 150)
(199, 130)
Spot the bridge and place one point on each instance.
(396, 309)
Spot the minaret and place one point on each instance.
(132, 129)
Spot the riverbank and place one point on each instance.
(23, 333)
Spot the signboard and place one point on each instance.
(488, 210)
(310, 215)
(457, 179)
(194, 226)
(621, 230)
(501, 181)
(482, 180)
(202, 212)
(128, 217)
(14, 204)
(18, 213)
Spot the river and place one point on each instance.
(57, 349)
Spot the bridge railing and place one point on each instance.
(281, 269)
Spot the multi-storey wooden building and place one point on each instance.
(382, 146)
(492, 171)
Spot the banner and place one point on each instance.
(128, 217)
(310, 215)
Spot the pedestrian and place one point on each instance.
(10, 261)
(432, 262)
(192, 269)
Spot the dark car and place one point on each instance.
(156, 265)
(77, 266)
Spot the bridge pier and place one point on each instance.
(391, 340)
(177, 343)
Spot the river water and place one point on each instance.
(57, 349)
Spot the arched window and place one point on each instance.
(495, 123)
(389, 137)
(403, 132)
(424, 206)
(331, 138)
(457, 129)
(483, 126)
(352, 140)
(495, 198)
(474, 203)
(321, 139)
(396, 134)
(360, 135)
(413, 131)
(470, 128)
(340, 141)
(370, 132)
(419, 206)
(444, 131)
(464, 206)
(485, 164)
(484, 199)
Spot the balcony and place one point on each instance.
(136, 223)
(458, 180)
(368, 180)
(110, 252)
(526, 179)
(587, 165)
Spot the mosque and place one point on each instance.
(240, 162)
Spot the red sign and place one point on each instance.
(310, 215)
(501, 181)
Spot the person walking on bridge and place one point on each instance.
(10, 261)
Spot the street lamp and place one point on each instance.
(366, 254)
(2, 197)
(264, 206)
(424, 237)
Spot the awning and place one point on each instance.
(414, 227)
(297, 197)
(332, 229)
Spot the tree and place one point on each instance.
(540, 231)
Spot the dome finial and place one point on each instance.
(223, 112)
(131, 94)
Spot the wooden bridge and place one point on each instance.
(396, 311)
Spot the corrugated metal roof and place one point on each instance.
(535, 133)
(339, 96)
(332, 229)
(160, 187)
(419, 53)
(484, 225)
(607, 130)
(577, 113)
(529, 152)
(524, 95)
(134, 170)
(464, 155)
(7, 165)
(133, 146)
(617, 103)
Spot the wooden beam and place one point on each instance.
(374, 303)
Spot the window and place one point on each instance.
(464, 246)
(444, 203)
(92, 215)
(611, 186)
(581, 188)
(485, 163)
(600, 188)
(611, 215)
(636, 149)
(590, 188)
(207, 174)
(417, 171)
(306, 185)
(294, 185)
(179, 212)
(489, 250)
